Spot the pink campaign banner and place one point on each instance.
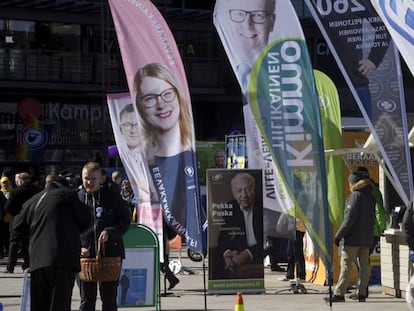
(164, 122)
(128, 140)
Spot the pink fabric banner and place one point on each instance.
(128, 143)
(164, 122)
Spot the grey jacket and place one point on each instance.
(357, 229)
(408, 222)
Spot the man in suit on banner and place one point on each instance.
(240, 242)
(250, 24)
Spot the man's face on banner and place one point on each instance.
(243, 191)
(129, 128)
(251, 25)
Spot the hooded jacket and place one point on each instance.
(357, 229)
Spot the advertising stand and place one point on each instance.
(235, 240)
(139, 283)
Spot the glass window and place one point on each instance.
(17, 34)
(196, 44)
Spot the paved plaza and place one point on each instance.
(189, 294)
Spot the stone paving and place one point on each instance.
(189, 294)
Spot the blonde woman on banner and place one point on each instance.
(164, 115)
(159, 91)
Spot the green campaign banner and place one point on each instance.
(332, 139)
(210, 154)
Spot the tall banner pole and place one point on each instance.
(367, 58)
(267, 50)
(163, 119)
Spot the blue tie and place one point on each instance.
(243, 70)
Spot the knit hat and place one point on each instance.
(355, 177)
(363, 170)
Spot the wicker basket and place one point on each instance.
(101, 268)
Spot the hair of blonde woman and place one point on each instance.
(156, 70)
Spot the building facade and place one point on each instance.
(59, 59)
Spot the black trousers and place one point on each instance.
(16, 242)
(295, 257)
(107, 291)
(272, 250)
(2, 237)
(51, 289)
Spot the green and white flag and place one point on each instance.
(267, 50)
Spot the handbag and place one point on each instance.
(100, 268)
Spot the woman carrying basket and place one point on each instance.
(110, 221)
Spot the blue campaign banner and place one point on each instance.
(398, 17)
(369, 62)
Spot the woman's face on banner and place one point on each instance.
(160, 102)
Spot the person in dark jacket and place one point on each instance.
(18, 196)
(3, 201)
(110, 221)
(408, 226)
(357, 232)
(55, 219)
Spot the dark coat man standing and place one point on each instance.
(55, 218)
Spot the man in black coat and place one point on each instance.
(110, 221)
(55, 218)
(241, 241)
(18, 196)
